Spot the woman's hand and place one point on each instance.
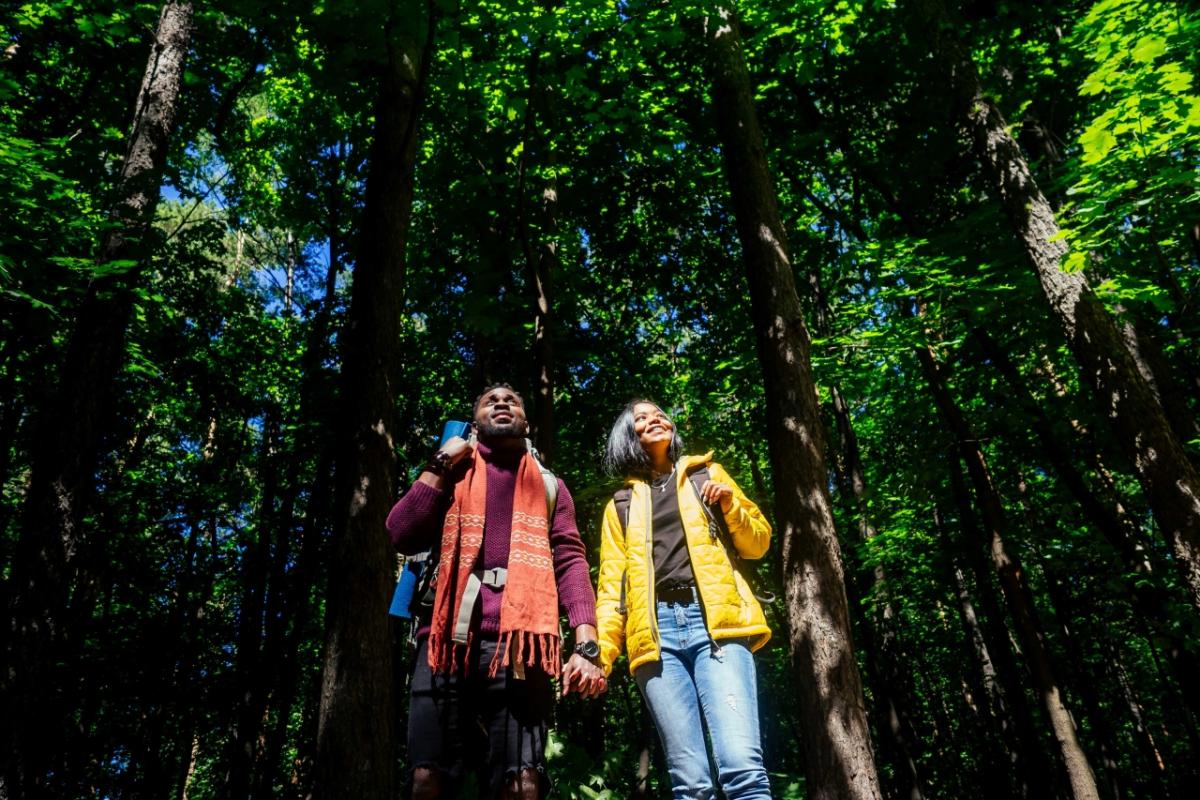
(713, 493)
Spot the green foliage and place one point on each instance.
(586, 126)
(1134, 195)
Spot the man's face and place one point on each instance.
(501, 413)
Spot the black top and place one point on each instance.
(672, 564)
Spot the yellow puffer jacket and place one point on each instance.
(730, 609)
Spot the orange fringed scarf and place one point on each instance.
(529, 606)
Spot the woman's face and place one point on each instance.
(653, 428)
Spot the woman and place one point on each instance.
(670, 594)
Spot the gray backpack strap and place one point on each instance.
(549, 479)
(621, 500)
(496, 577)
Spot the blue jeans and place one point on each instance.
(692, 678)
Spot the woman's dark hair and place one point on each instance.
(624, 455)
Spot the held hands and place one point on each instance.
(714, 493)
(582, 676)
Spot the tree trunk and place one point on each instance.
(879, 632)
(542, 270)
(297, 611)
(542, 259)
(1013, 585)
(355, 736)
(1009, 705)
(1153, 765)
(984, 701)
(253, 663)
(1152, 602)
(1167, 476)
(1163, 382)
(839, 762)
(52, 550)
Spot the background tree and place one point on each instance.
(573, 230)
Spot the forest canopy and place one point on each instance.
(922, 274)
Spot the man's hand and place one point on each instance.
(582, 676)
(714, 493)
(447, 457)
(457, 448)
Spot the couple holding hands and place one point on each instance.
(509, 558)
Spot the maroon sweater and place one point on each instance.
(415, 525)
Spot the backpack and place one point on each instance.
(422, 585)
(718, 529)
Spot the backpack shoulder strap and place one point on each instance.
(621, 499)
(549, 480)
(717, 527)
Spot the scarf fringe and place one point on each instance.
(529, 646)
(449, 656)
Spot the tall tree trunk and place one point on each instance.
(542, 269)
(984, 699)
(1149, 598)
(838, 758)
(52, 550)
(1167, 476)
(1016, 592)
(297, 588)
(1154, 766)
(1028, 765)
(355, 737)
(879, 632)
(541, 259)
(1164, 384)
(252, 660)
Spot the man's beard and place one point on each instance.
(502, 430)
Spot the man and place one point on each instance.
(489, 647)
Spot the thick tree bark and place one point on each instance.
(52, 552)
(839, 762)
(355, 736)
(1167, 476)
(1013, 585)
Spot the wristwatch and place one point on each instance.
(589, 650)
(439, 464)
